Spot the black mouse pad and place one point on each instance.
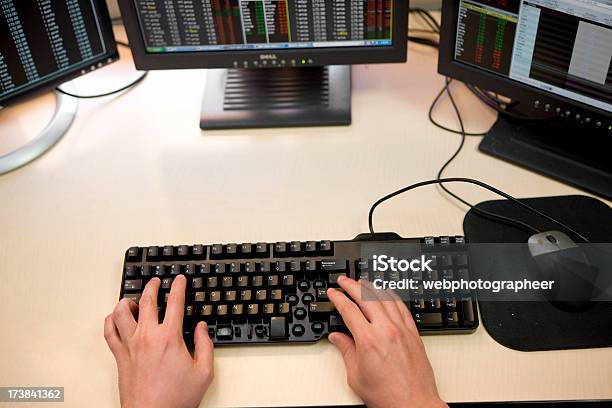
(536, 326)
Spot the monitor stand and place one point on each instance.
(65, 112)
(277, 97)
(558, 150)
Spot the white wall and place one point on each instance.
(432, 4)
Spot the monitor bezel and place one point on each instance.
(520, 92)
(111, 55)
(230, 59)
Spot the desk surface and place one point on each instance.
(136, 170)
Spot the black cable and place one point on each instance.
(437, 124)
(116, 91)
(427, 17)
(470, 181)
(481, 212)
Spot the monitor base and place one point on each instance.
(277, 97)
(65, 112)
(568, 154)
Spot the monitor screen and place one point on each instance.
(175, 26)
(559, 46)
(43, 41)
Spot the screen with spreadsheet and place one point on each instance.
(560, 46)
(43, 40)
(234, 25)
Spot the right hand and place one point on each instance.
(385, 360)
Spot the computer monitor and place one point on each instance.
(44, 43)
(554, 60)
(318, 36)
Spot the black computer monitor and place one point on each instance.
(319, 36)
(44, 43)
(554, 59)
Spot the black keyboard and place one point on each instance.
(270, 293)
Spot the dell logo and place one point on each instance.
(267, 56)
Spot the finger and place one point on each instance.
(203, 354)
(111, 335)
(403, 309)
(346, 345)
(350, 312)
(148, 303)
(384, 300)
(123, 316)
(370, 308)
(175, 310)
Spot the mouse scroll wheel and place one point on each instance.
(551, 238)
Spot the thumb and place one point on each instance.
(346, 345)
(203, 354)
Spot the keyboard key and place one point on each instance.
(310, 248)
(336, 324)
(261, 294)
(225, 333)
(333, 278)
(198, 252)
(428, 320)
(300, 313)
(307, 298)
(132, 284)
(253, 309)
(295, 248)
(246, 250)
(211, 282)
(221, 310)
(168, 252)
(237, 310)
(326, 248)
(199, 296)
(130, 271)
(230, 296)
(317, 327)
(206, 310)
(276, 294)
(278, 328)
(133, 254)
(215, 296)
(152, 254)
(468, 311)
(333, 265)
(318, 309)
(261, 250)
(197, 283)
(231, 250)
(280, 249)
(298, 330)
(246, 295)
(166, 283)
(283, 308)
(182, 251)
(216, 251)
(132, 296)
(287, 280)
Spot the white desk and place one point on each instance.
(137, 170)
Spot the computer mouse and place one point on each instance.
(558, 258)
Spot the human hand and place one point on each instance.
(385, 360)
(154, 364)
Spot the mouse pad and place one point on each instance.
(537, 326)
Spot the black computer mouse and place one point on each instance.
(556, 257)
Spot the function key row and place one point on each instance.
(230, 251)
